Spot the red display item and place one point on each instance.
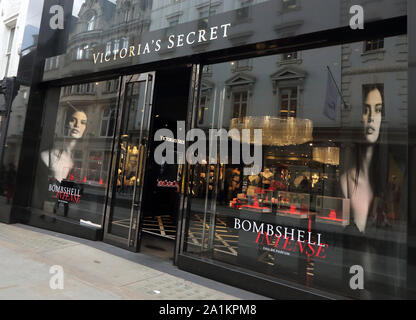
(332, 210)
(256, 202)
(332, 216)
(235, 204)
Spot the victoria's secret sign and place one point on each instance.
(173, 41)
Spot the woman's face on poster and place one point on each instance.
(372, 114)
(77, 124)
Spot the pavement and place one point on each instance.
(94, 270)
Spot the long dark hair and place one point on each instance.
(378, 169)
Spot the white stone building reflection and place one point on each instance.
(293, 84)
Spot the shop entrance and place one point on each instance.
(125, 195)
(143, 197)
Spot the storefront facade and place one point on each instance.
(296, 210)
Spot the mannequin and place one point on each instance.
(254, 183)
(267, 178)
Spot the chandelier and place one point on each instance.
(326, 155)
(275, 131)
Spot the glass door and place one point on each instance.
(124, 204)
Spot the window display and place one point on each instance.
(331, 190)
(59, 159)
(293, 204)
(74, 158)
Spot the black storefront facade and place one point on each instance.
(325, 196)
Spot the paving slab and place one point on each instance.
(95, 270)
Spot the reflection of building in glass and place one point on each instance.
(116, 25)
(111, 26)
(321, 111)
(384, 62)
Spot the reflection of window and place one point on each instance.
(289, 56)
(289, 4)
(204, 14)
(52, 63)
(111, 86)
(66, 91)
(375, 44)
(174, 21)
(91, 23)
(108, 86)
(240, 104)
(202, 107)
(107, 122)
(126, 15)
(246, 3)
(124, 43)
(76, 172)
(95, 166)
(9, 49)
(80, 53)
(288, 102)
(206, 69)
(116, 46)
(108, 48)
(244, 11)
(86, 88)
(66, 121)
(87, 51)
(241, 65)
(83, 52)
(89, 88)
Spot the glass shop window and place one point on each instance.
(75, 153)
(322, 187)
